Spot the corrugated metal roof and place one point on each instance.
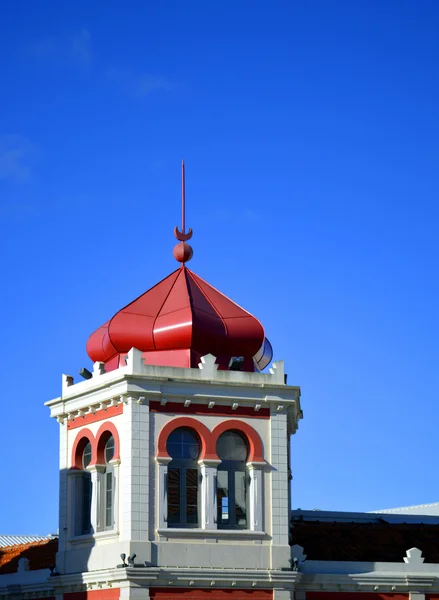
(12, 540)
(419, 509)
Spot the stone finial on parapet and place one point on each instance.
(277, 370)
(414, 557)
(67, 381)
(297, 557)
(134, 361)
(98, 368)
(208, 366)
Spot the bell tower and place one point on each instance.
(174, 451)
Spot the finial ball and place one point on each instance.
(182, 252)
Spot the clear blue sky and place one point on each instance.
(310, 131)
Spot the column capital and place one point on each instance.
(209, 462)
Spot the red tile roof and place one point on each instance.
(374, 542)
(41, 555)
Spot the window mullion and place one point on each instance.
(232, 503)
(183, 515)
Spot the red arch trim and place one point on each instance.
(101, 440)
(78, 447)
(256, 452)
(207, 449)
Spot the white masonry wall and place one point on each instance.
(263, 548)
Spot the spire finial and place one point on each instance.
(182, 252)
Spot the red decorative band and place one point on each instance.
(110, 594)
(354, 596)
(203, 409)
(99, 415)
(166, 593)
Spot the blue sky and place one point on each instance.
(310, 131)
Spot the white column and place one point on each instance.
(208, 493)
(96, 513)
(115, 464)
(256, 493)
(162, 492)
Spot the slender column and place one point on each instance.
(208, 493)
(96, 513)
(255, 493)
(115, 464)
(162, 492)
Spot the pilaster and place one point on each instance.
(256, 496)
(134, 471)
(208, 493)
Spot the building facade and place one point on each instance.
(175, 476)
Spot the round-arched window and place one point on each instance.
(183, 446)
(86, 455)
(232, 446)
(183, 443)
(232, 481)
(109, 449)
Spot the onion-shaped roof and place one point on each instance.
(182, 312)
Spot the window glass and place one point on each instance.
(240, 499)
(86, 455)
(109, 449)
(223, 497)
(109, 499)
(232, 449)
(173, 496)
(183, 443)
(184, 447)
(191, 496)
(232, 446)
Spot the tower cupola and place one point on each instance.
(181, 319)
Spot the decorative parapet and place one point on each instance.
(207, 371)
(206, 385)
(414, 557)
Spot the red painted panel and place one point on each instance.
(173, 330)
(354, 596)
(223, 305)
(110, 594)
(198, 299)
(169, 358)
(169, 593)
(179, 298)
(203, 409)
(128, 330)
(100, 415)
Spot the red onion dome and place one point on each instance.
(175, 323)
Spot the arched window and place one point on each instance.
(83, 489)
(232, 483)
(183, 446)
(107, 485)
